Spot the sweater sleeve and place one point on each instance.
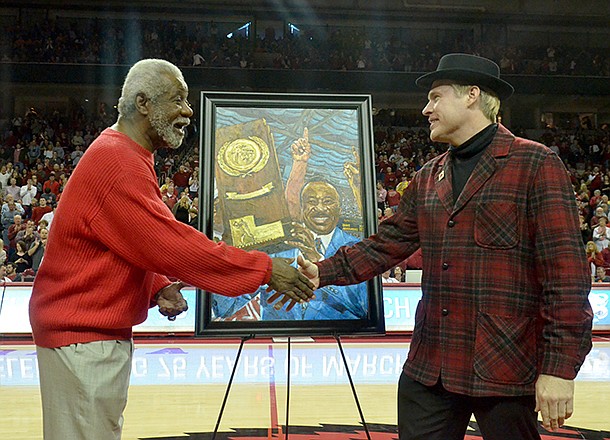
(137, 226)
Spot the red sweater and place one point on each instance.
(113, 243)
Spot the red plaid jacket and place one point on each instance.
(505, 278)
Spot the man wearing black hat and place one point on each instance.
(504, 322)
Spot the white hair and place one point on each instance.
(149, 77)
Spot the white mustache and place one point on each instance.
(185, 121)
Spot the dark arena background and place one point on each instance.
(62, 64)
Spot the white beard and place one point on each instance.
(165, 129)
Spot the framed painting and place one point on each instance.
(288, 175)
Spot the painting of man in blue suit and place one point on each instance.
(315, 207)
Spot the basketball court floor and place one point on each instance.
(178, 385)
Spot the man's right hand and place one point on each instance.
(554, 400)
(306, 268)
(288, 281)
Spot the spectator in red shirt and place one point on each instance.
(170, 195)
(595, 179)
(599, 212)
(383, 163)
(403, 170)
(40, 210)
(390, 179)
(52, 184)
(13, 230)
(181, 178)
(393, 198)
(596, 199)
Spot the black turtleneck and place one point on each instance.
(466, 156)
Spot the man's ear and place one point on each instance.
(474, 93)
(142, 103)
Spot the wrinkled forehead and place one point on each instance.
(176, 84)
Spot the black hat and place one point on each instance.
(470, 69)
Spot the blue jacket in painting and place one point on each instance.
(332, 302)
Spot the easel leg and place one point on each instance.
(273, 414)
(287, 390)
(351, 382)
(224, 400)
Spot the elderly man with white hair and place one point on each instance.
(125, 243)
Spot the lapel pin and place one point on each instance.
(441, 175)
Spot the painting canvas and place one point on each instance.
(288, 175)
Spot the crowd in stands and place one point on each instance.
(93, 41)
(38, 152)
(36, 158)
(592, 195)
(37, 155)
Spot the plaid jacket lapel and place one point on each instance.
(486, 167)
(442, 182)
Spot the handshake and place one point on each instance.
(291, 286)
(294, 286)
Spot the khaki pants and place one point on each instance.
(84, 389)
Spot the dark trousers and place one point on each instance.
(433, 413)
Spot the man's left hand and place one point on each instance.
(554, 400)
(170, 301)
